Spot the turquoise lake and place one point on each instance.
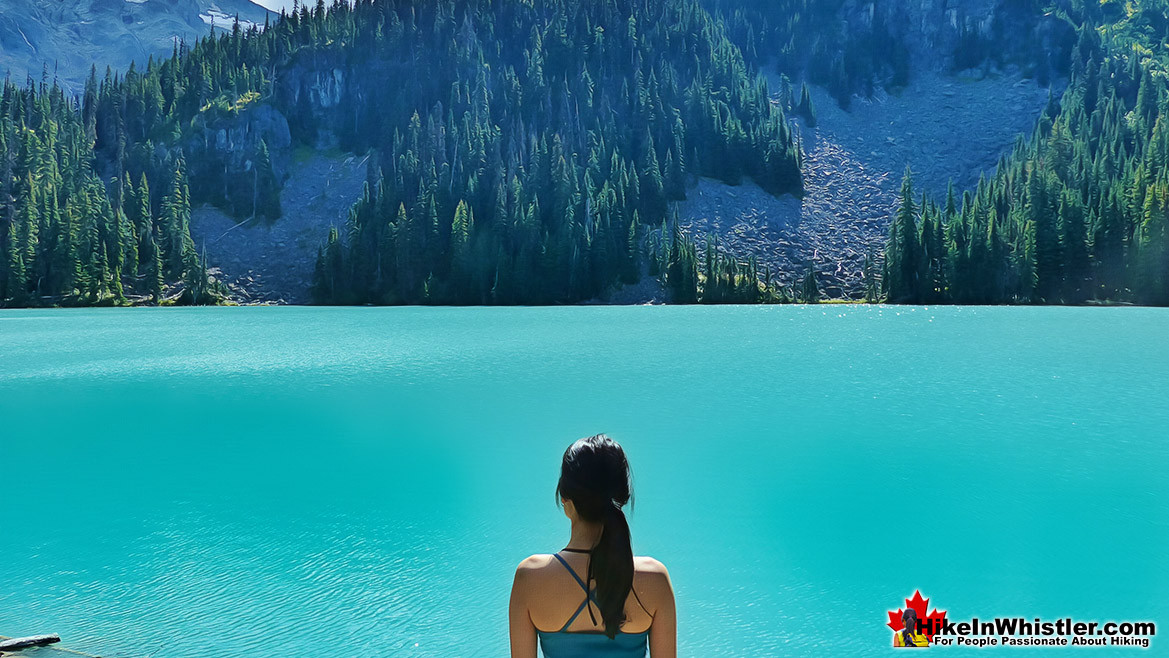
(190, 483)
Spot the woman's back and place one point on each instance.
(552, 587)
(594, 598)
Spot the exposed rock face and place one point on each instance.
(934, 22)
(321, 94)
(326, 87)
(937, 30)
(70, 36)
(233, 141)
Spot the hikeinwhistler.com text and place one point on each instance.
(1020, 632)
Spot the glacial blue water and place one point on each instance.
(190, 483)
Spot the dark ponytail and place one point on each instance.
(909, 618)
(612, 566)
(594, 475)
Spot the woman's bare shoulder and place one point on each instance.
(531, 573)
(651, 573)
(651, 583)
(534, 563)
(648, 565)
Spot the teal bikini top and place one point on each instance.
(590, 644)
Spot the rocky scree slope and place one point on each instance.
(271, 262)
(943, 128)
(952, 122)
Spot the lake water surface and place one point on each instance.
(362, 482)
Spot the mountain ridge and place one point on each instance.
(65, 38)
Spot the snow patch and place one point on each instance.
(218, 18)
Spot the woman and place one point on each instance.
(908, 636)
(629, 600)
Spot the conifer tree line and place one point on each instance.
(523, 162)
(68, 238)
(711, 275)
(96, 191)
(1079, 213)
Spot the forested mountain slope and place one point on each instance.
(519, 147)
(533, 152)
(1080, 212)
(520, 163)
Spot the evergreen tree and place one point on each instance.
(806, 108)
(152, 265)
(810, 287)
(902, 283)
(266, 199)
(872, 283)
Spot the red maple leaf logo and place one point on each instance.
(930, 623)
